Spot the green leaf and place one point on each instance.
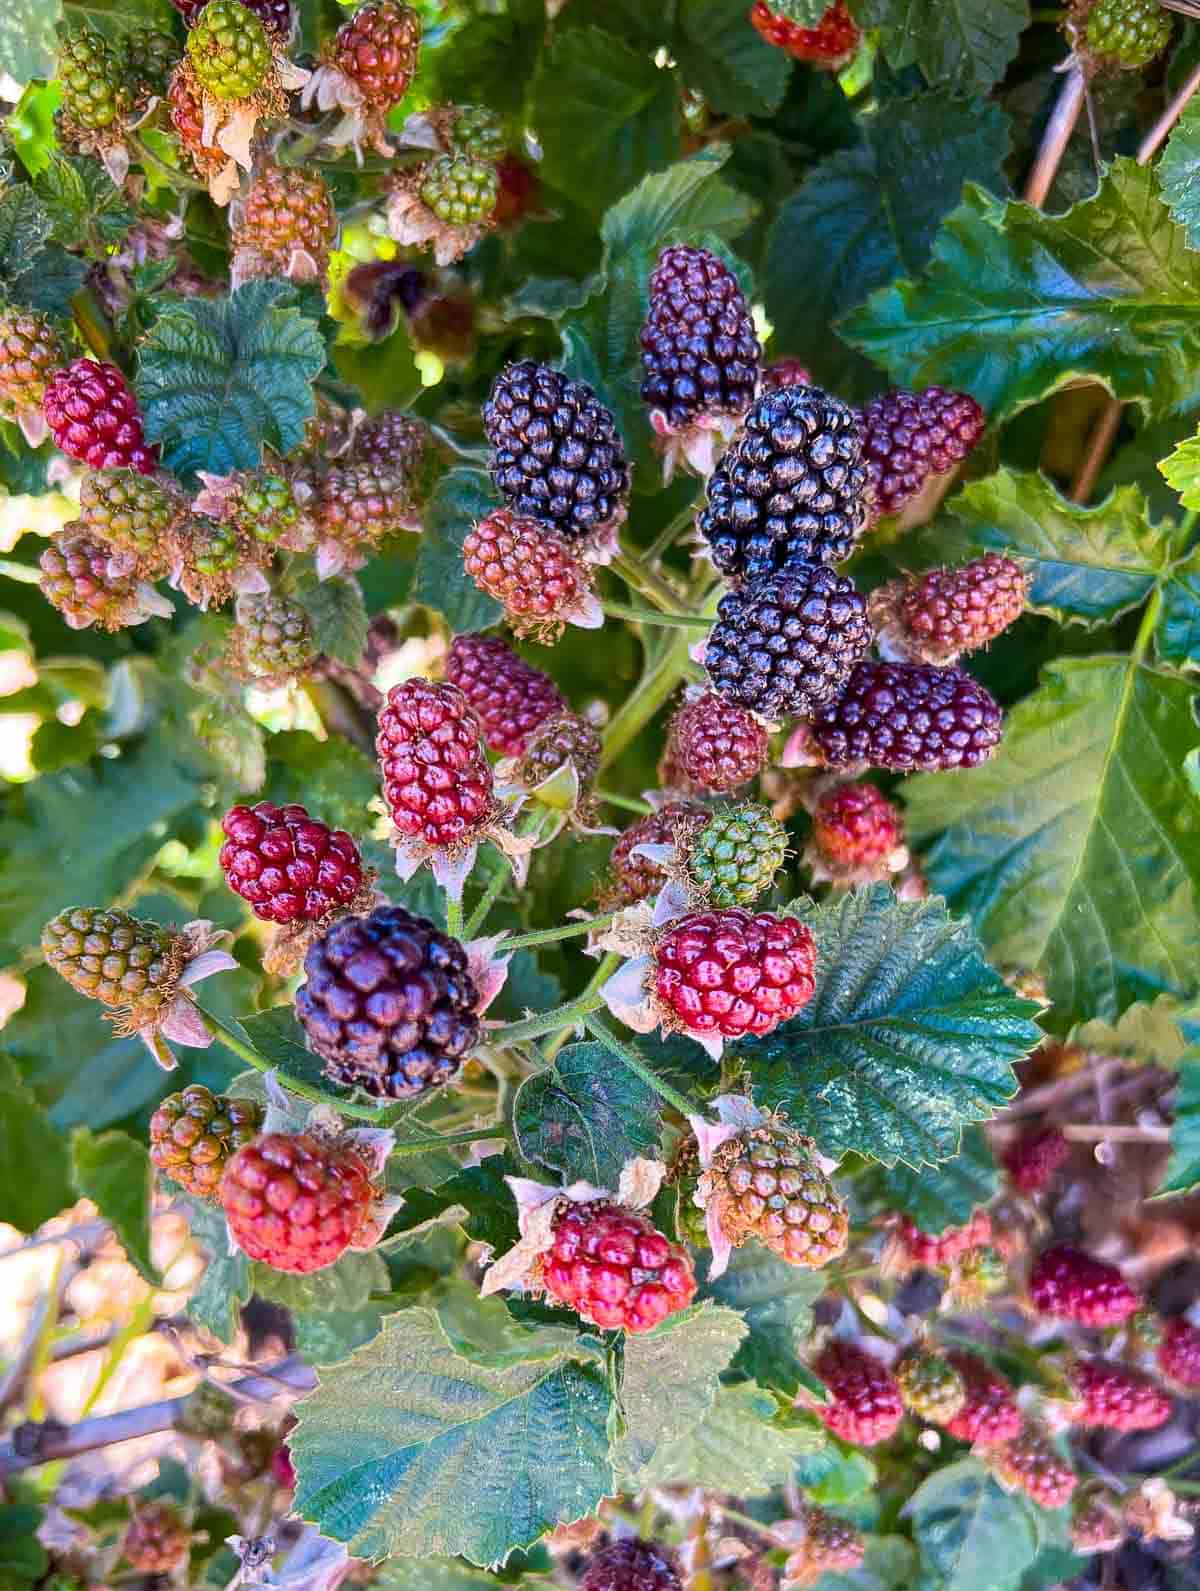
(966, 1526)
(491, 58)
(938, 1196)
(82, 201)
(225, 1286)
(338, 617)
(1089, 564)
(735, 69)
(277, 1035)
(27, 38)
(836, 1475)
(430, 1574)
(113, 1170)
(666, 206)
(1074, 848)
(1177, 634)
(328, 1336)
(1016, 304)
(1179, 172)
(332, 778)
(21, 1553)
(909, 1036)
(35, 1169)
(776, 1302)
(861, 217)
(735, 1448)
(345, 1285)
(447, 1456)
(1183, 1169)
(35, 272)
(585, 1116)
(460, 498)
(670, 1382)
(965, 45)
(1181, 469)
(221, 378)
(605, 114)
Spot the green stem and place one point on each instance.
(665, 539)
(1145, 635)
(547, 1021)
(638, 709)
(648, 584)
(485, 902)
(629, 1057)
(598, 979)
(626, 803)
(27, 573)
(469, 1135)
(1187, 525)
(547, 936)
(454, 917)
(179, 180)
(679, 621)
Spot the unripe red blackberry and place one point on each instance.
(729, 974)
(980, 1274)
(273, 637)
(460, 189)
(556, 454)
(283, 1471)
(1069, 1284)
(856, 826)
(359, 504)
(77, 578)
(1179, 1352)
(831, 1545)
(631, 1565)
(1127, 33)
(612, 1267)
(295, 1202)
(785, 373)
(830, 44)
(864, 1406)
(792, 487)
(436, 779)
(112, 957)
(1033, 1159)
(376, 49)
(566, 740)
(186, 107)
(528, 569)
(230, 50)
(289, 866)
(699, 347)
(929, 1385)
(1114, 1396)
(633, 878)
(388, 1003)
(735, 856)
(132, 514)
(715, 744)
(1030, 1463)
(273, 14)
(941, 1249)
(156, 1539)
(766, 1185)
(30, 353)
(936, 617)
(989, 1411)
(193, 1134)
(285, 226)
(912, 436)
(510, 697)
(393, 438)
(94, 417)
(784, 644)
(906, 716)
(90, 76)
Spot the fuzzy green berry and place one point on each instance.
(274, 635)
(90, 73)
(112, 957)
(230, 50)
(478, 131)
(734, 857)
(130, 512)
(1129, 32)
(265, 508)
(930, 1385)
(460, 189)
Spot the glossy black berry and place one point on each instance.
(699, 347)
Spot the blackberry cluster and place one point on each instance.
(156, 1539)
(460, 189)
(785, 373)
(735, 856)
(90, 74)
(912, 436)
(264, 509)
(792, 488)
(185, 104)
(1127, 33)
(941, 1249)
(194, 1133)
(950, 611)
(830, 44)
(479, 131)
(510, 697)
(1114, 1396)
(1035, 1157)
(906, 716)
(1179, 1352)
(785, 644)
(566, 740)
(359, 504)
(149, 57)
(856, 826)
(613, 1267)
(77, 578)
(989, 1411)
(393, 438)
(1030, 1463)
(288, 211)
(289, 866)
(229, 50)
(631, 1565)
(556, 454)
(767, 1186)
(699, 347)
(528, 569)
(388, 1003)
(112, 957)
(831, 1545)
(715, 745)
(930, 1386)
(376, 48)
(273, 636)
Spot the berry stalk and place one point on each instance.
(629, 1057)
(681, 621)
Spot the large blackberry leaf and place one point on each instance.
(411, 1447)
(1074, 849)
(582, 1117)
(1179, 169)
(35, 1168)
(965, 1525)
(113, 1171)
(909, 1036)
(1015, 304)
(939, 1196)
(965, 45)
(735, 1447)
(735, 69)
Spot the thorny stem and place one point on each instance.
(599, 978)
(454, 916)
(629, 1057)
(681, 621)
(547, 936)
(485, 902)
(568, 1015)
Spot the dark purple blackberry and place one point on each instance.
(792, 487)
(631, 1565)
(698, 343)
(908, 715)
(556, 454)
(910, 436)
(388, 1003)
(784, 644)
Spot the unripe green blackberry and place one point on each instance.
(930, 1385)
(285, 226)
(460, 189)
(264, 508)
(736, 855)
(89, 74)
(1129, 33)
(150, 56)
(274, 636)
(765, 1184)
(207, 557)
(130, 512)
(78, 578)
(980, 1273)
(230, 50)
(113, 957)
(30, 353)
(193, 1134)
(478, 131)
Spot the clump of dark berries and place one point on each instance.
(1070, 1284)
(715, 744)
(906, 716)
(633, 878)
(510, 697)
(631, 1565)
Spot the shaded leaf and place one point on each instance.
(82, 200)
(35, 1168)
(965, 1525)
(671, 205)
(113, 1170)
(585, 1115)
(225, 1284)
(338, 617)
(960, 44)
(776, 1302)
(735, 1447)
(22, 1556)
(938, 1196)
(1177, 634)
(345, 1285)
(333, 779)
(36, 272)
(27, 38)
(1179, 172)
(1183, 1169)
(735, 69)
(460, 498)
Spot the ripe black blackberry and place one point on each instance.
(784, 644)
(631, 1565)
(793, 487)
(699, 348)
(388, 1003)
(908, 715)
(556, 454)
